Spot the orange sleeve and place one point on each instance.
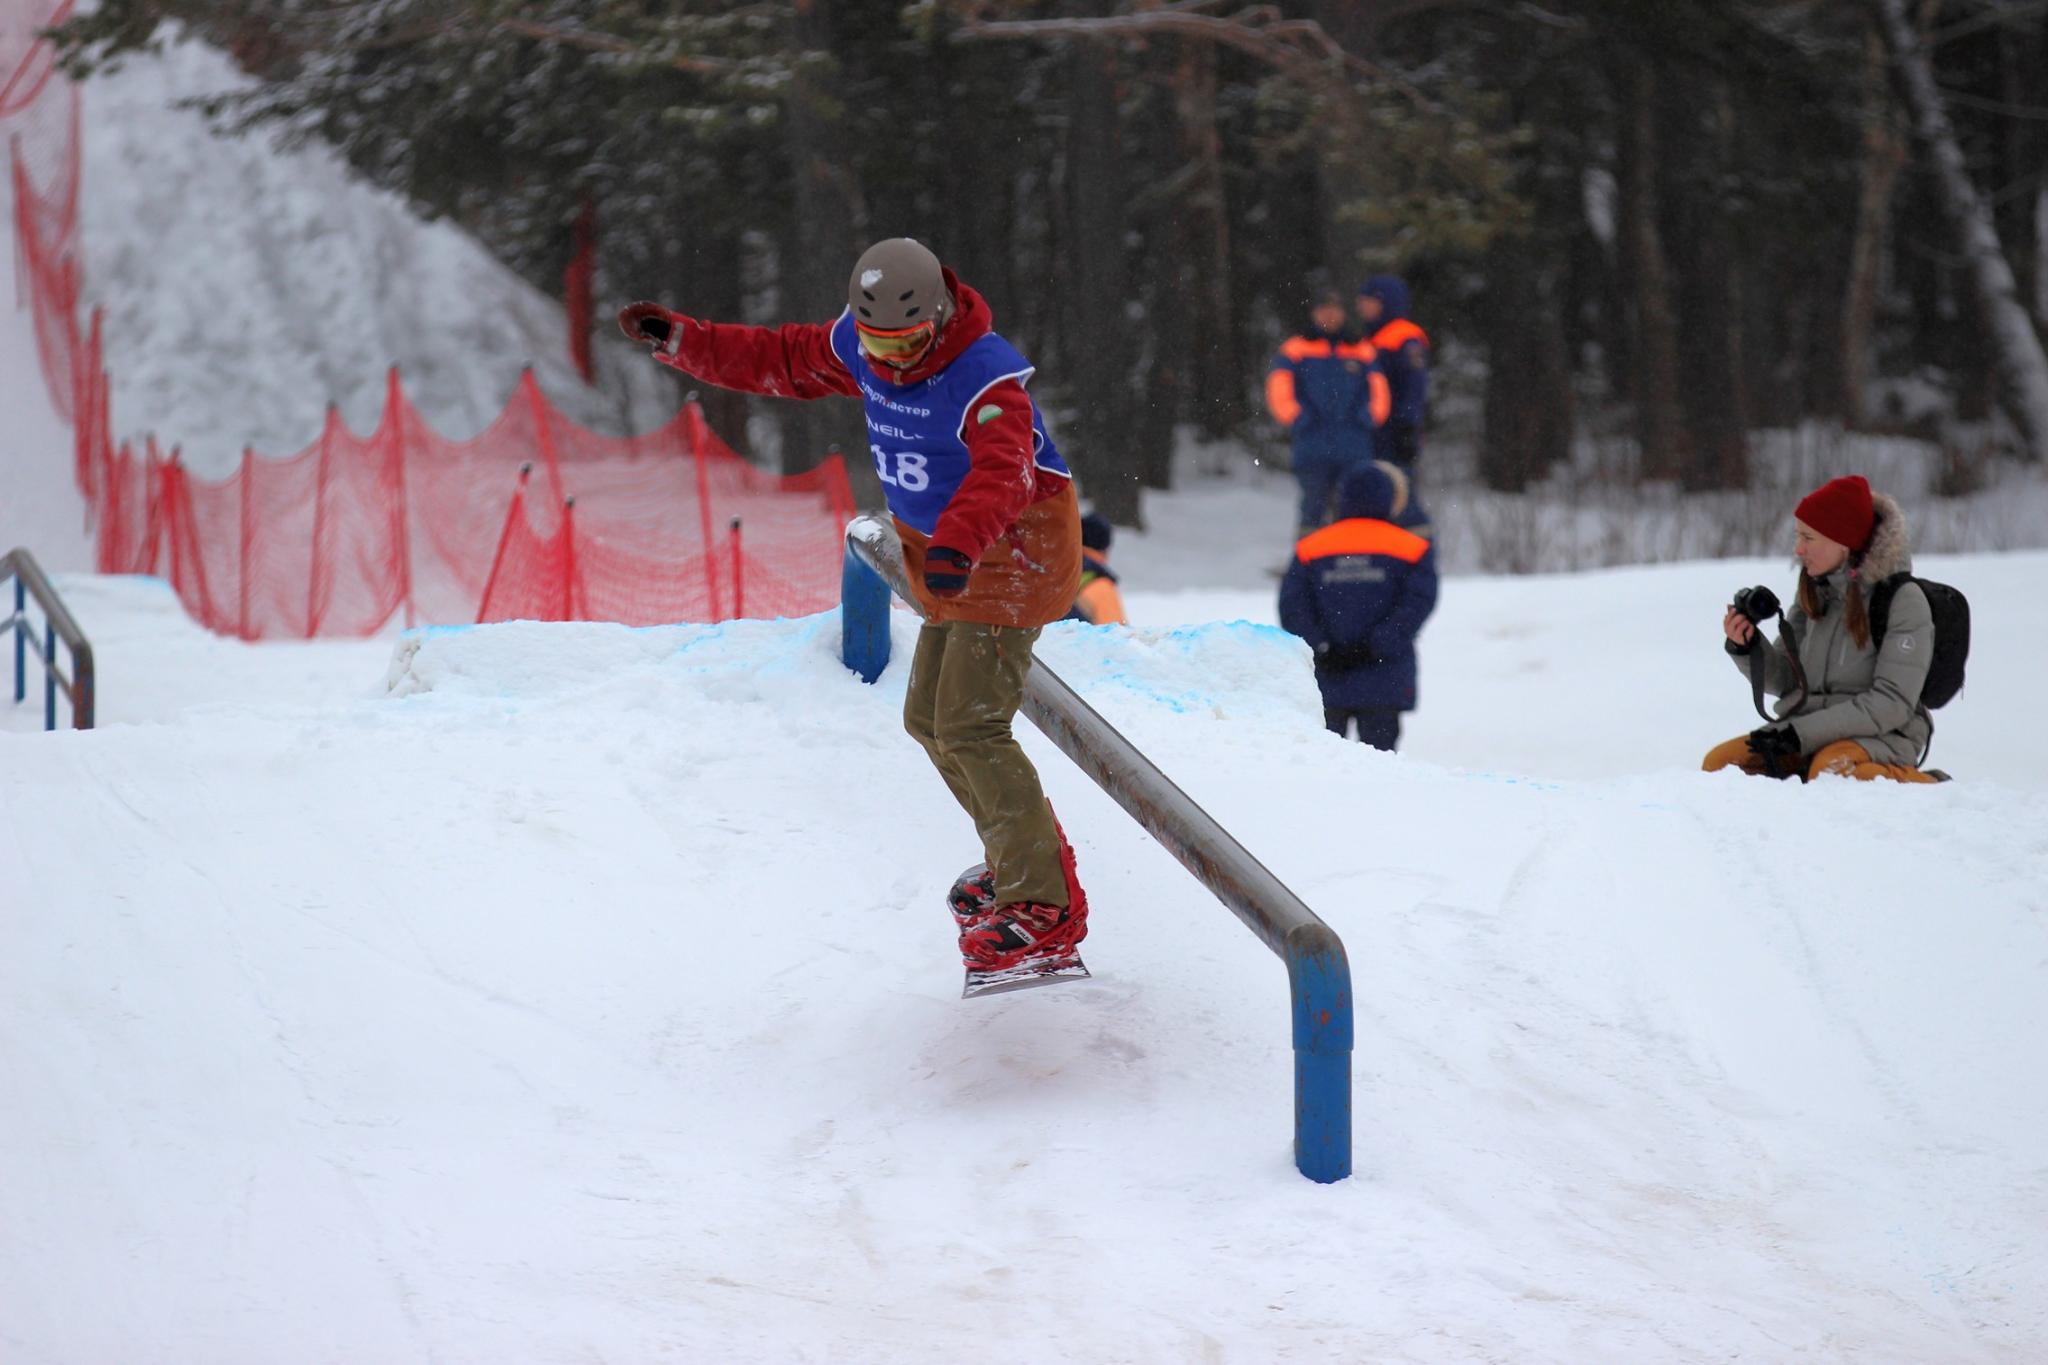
(1280, 395)
(1382, 398)
(1102, 604)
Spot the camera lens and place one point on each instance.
(1759, 604)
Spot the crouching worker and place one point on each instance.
(1358, 591)
(991, 536)
(1848, 698)
(1100, 602)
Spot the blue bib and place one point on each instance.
(917, 432)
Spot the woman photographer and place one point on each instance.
(1846, 705)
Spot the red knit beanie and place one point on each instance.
(1840, 510)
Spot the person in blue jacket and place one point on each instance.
(1358, 591)
(1325, 388)
(1403, 350)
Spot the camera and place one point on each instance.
(1759, 604)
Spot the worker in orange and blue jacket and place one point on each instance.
(1326, 389)
(1404, 358)
(1358, 591)
(1099, 602)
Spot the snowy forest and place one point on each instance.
(1654, 227)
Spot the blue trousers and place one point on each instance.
(1379, 726)
(1318, 480)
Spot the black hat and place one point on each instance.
(1096, 531)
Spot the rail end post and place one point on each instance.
(1319, 979)
(863, 618)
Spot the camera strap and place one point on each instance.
(1758, 664)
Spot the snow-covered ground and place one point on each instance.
(579, 993)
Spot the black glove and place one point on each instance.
(1775, 741)
(647, 322)
(1344, 658)
(945, 571)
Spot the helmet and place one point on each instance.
(899, 301)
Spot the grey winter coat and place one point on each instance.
(1858, 692)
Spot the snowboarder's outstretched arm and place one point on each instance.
(794, 360)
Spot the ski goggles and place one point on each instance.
(898, 347)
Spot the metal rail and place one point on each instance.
(30, 581)
(1318, 973)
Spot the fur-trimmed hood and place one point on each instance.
(1890, 550)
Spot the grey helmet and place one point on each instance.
(896, 284)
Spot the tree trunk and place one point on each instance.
(1884, 156)
(820, 243)
(1698, 121)
(1098, 439)
(980, 214)
(1528, 404)
(1203, 249)
(1660, 429)
(2022, 76)
(2021, 362)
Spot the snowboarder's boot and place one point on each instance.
(1019, 932)
(1023, 931)
(972, 896)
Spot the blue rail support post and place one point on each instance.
(863, 618)
(49, 677)
(1318, 973)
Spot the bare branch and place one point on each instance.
(1301, 48)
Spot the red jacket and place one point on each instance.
(796, 360)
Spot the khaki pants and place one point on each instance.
(966, 681)
(1845, 758)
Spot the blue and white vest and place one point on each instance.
(917, 432)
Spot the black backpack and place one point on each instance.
(1951, 633)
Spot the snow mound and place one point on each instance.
(559, 992)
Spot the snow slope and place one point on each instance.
(553, 993)
(247, 287)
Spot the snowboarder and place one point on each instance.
(990, 525)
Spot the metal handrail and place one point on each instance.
(1318, 973)
(31, 581)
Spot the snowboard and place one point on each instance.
(1061, 964)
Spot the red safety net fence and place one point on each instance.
(355, 531)
(533, 518)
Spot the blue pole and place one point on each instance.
(50, 676)
(20, 639)
(863, 618)
(1319, 979)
